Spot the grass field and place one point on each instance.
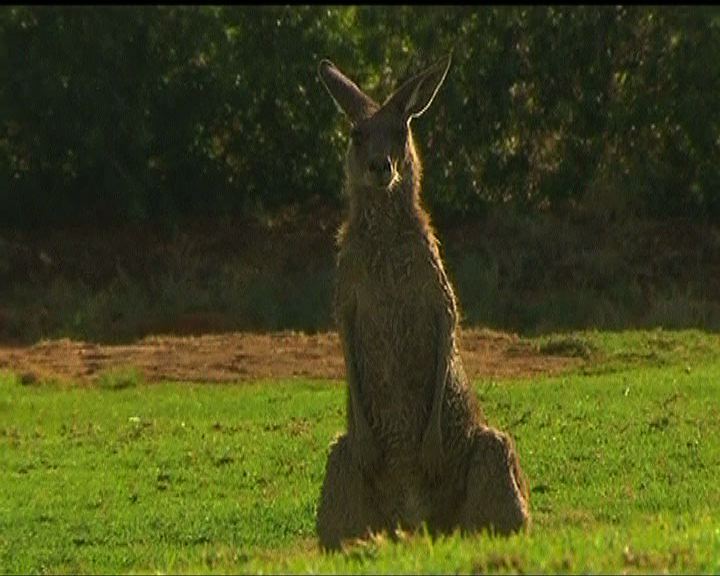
(622, 456)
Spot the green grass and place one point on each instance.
(119, 378)
(622, 457)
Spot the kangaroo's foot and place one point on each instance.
(496, 494)
(348, 505)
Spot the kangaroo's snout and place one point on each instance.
(382, 170)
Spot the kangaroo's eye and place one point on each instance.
(356, 135)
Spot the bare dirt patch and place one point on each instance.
(245, 356)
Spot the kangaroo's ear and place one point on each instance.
(351, 100)
(416, 95)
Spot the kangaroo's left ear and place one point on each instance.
(416, 94)
(347, 95)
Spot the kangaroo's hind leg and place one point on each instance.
(496, 496)
(349, 506)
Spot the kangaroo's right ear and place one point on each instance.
(351, 100)
(416, 95)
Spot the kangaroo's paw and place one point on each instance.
(431, 453)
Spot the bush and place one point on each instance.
(150, 114)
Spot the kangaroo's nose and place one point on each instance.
(381, 167)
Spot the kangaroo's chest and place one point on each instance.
(395, 333)
(396, 303)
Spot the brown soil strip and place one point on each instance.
(244, 356)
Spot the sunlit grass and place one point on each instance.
(622, 463)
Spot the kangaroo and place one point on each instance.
(418, 449)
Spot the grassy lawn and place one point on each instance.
(622, 456)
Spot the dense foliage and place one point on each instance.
(144, 114)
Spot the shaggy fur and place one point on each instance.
(417, 449)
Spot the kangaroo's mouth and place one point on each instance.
(389, 181)
(395, 177)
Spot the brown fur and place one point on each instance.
(418, 449)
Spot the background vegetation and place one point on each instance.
(165, 163)
(151, 113)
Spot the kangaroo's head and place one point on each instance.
(381, 148)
